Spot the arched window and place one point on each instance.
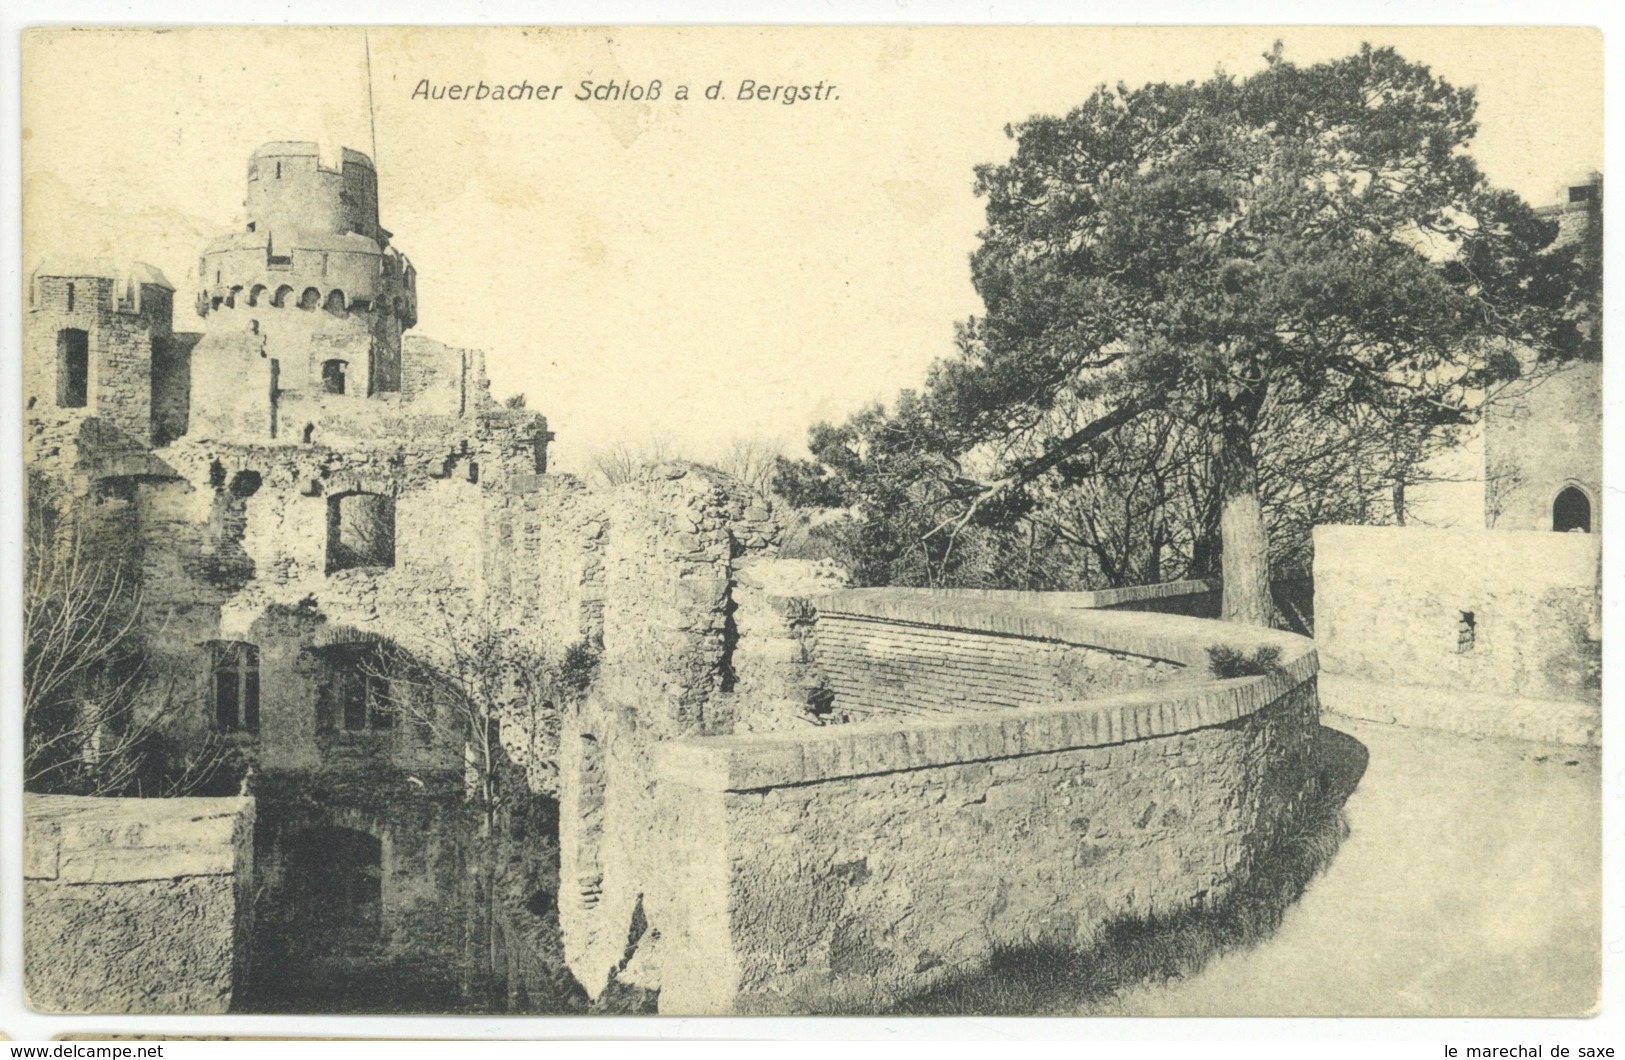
(333, 376)
(360, 531)
(282, 295)
(335, 302)
(72, 368)
(255, 293)
(1571, 511)
(310, 299)
(235, 669)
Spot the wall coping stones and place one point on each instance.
(1176, 638)
(784, 758)
(81, 839)
(1085, 600)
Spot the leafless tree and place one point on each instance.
(752, 461)
(94, 705)
(621, 462)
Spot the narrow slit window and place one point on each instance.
(236, 686)
(72, 368)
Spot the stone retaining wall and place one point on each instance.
(136, 905)
(957, 654)
(841, 868)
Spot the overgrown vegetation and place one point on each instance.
(95, 702)
(1225, 661)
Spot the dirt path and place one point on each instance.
(1470, 885)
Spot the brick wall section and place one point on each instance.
(136, 905)
(878, 667)
(824, 869)
(1196, 598)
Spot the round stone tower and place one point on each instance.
(304, 306)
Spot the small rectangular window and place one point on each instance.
(1466, 632)
(70, 297)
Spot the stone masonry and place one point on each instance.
(766, 786)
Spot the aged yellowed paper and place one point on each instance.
(811, 520)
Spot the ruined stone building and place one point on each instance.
(772, 795)
(308, 495)
(296, 483)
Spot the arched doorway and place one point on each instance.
(335, 877)
(1571, 511)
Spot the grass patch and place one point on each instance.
(1055, 979)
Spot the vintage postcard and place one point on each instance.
(1085, 521)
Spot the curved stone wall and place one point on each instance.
(839, 867)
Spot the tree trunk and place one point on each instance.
(1399, 502)
(1244, 546)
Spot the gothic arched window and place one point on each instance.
(1571, 511)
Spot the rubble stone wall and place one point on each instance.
(824, 869)
(136, 905)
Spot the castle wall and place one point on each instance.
(943, 661)
(825, 869)
(121, 327)
(136, 905)
(1540, 437)
(669, 543)
(1487, 632)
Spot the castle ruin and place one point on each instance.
(773, 794)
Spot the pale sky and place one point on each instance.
(699, 270)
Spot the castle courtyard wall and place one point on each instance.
(1477, 631)
(829, 865)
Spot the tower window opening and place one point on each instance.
(1571, 511)
(1466, 632)
(279, 171)
(360, 531)
(333, 377)
(280, 299)
(70, 297)
(335, 302)
(72, 368)
(310, 299)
